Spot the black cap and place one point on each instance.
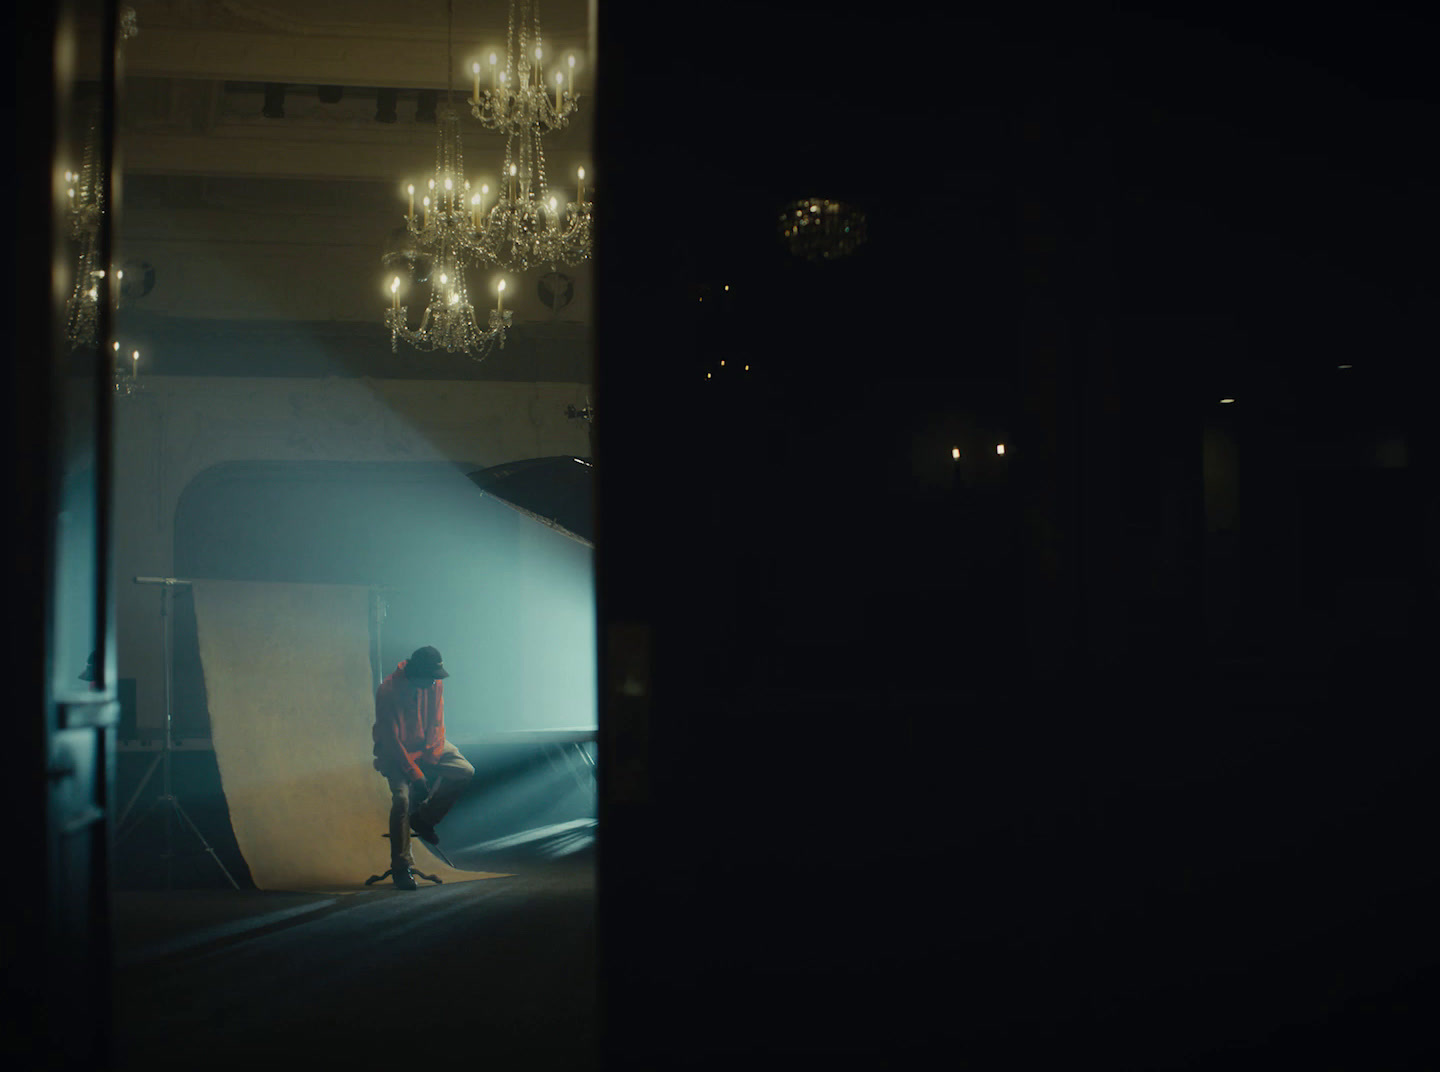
(426, 662)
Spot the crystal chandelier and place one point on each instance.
(528, 225)
(436, 247)
(85, 212)
(818, 230)
(459, 227)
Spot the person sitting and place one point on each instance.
(412, 753)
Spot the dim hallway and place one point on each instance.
(497, 970)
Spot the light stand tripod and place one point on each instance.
(166, 801)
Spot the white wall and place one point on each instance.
(181, 426)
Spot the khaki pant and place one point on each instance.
(447, 777)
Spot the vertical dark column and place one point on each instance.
(32, 117)
(647, 539)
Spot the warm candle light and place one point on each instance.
(475, 210)
(493, 71)
(475, 67)
(538, 76)
(500, 296)
(484, 189)
(410, 212)
(395, 292)
(559, 81)
(570, 74)
(513, 193)
(580, 197)
(134, 364)
(425, 212)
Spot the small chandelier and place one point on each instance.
(818, 230)
(84, 192)
(86, 210)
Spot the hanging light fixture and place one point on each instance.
(529, 224)
(815, 229)
(435, 248)
(85, 192)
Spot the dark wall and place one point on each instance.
(905, 836)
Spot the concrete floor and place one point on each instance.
(500, 970)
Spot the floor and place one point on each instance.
(501, 970)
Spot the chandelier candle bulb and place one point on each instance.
(570, 76)
(580, 195)
(410, 212)
(494, 83)
(500, 296)
(475, 68)
(135, 364)
(559, 81)
(395, 293)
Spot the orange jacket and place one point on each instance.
(409, 725)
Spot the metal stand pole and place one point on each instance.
(167, 798)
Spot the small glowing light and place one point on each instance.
(512, 171)
(444, 279)
(1226, 401)
(432, 184)
(395, 285)
(955, 453)
(722, 364)
(500, 285)
(552, 204)
(999, 448)
(707, 375)
(492, 59)
(410, 189)
(475, 67)
(484, 187)
(67, 176)
(580, 173)
(426, 202)
(475, 200)
(538, 55)
(559, 79)
(135, 355)
(454, 298)
(117, 347)
(1344, 366)
(570, 60)
(449, 185)
(747, 368)
(119, 274)
(814, 208)
(727, 286)
(94, 293)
